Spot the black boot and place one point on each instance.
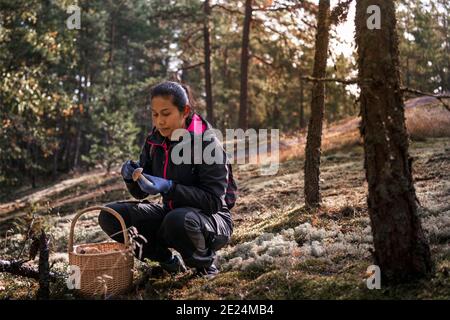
(174, 265)
(208, 272)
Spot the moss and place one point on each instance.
(298, 285)
(314, 266)
(275, 224)
(339, 277)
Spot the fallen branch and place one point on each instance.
(18, 268)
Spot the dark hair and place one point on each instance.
(180, 94)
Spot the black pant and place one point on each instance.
(195, 235)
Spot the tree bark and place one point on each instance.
(302, 107)
(77, 149)
(55, 164)
(401, 249)
(314, 138)
(207, 53)
(44, 267)
(243, 117)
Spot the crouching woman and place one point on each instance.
(194, 217)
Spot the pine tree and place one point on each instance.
(314, 138)
(401, 249)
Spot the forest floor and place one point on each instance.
(279, 250)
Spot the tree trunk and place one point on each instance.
(77, 150)
(401, 250)
(44, 267)
(314, 138)
(243, 118)
(227, 117)
(207, 53)
(55, 164)
(302, 107)
(33, 159)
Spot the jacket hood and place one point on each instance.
(195, 124)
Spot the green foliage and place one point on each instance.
(425, 44)
(112, 143)
(71, 100)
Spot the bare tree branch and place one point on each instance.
(191, 43)
(175, 72)
(306, 22)
(220, 6)
(440, 97)
(171, 15)
(421, 93)
(343, 81)
(268, 27)
(192, 66)
(261, 59)
(264, 26)
(283, 8)
(191, 34)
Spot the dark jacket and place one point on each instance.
(200, 186)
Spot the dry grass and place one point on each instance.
(425, 118)
(430, 120)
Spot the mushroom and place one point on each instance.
(137, 174)
(87, 250)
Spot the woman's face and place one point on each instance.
(166, 116)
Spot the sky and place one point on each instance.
(346, 32)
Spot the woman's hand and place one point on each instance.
(154, 185)
(127, 170)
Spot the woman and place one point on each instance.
(194, 218)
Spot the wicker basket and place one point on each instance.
(108, 272)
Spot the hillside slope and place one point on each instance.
(279, 250)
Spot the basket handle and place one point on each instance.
(109, 210)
